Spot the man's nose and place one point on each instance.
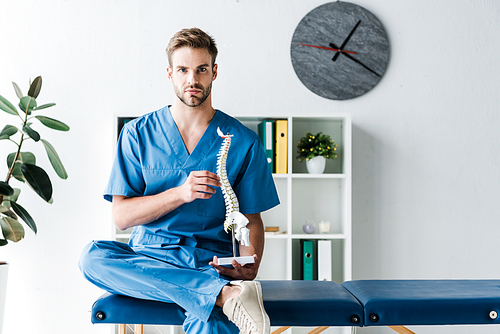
(192, 78)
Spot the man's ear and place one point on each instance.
(169, 73)
(214, 72)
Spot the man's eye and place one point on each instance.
(182, 70)
(202, 69)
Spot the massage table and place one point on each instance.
(322, 304)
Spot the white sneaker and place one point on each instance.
(247, 309)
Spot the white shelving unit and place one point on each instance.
(313, 197)
(305, 197)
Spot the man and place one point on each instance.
(163, 183)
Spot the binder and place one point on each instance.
(308, 259)
(266, 135)
(324, 260)
(281, 157)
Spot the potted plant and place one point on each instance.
(315, 149)
(21, 166)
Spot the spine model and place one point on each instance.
(234, 218)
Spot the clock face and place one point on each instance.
(339, 50)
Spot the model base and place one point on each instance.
(240, 259)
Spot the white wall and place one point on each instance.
(426, 168)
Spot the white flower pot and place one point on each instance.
(4, 269)
(316, 165)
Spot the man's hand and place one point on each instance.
(246, 272)
(199, 184)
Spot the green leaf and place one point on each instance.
(6, 211)
(12, 229)
(26, 157)
(52, 123)
(25, 216)
(13, 198)
(32, 133)
(38, 179)
(5, 189)
(8, 131)
(27, 103)
(43, 106)
(35, 87)
(7, 106)
(55, 160)
(19, 93)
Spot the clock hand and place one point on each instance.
(357, 61)
(326, 48)
(346, 40)
(360, 63)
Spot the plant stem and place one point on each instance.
(18, 153)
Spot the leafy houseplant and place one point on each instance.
(315, 149)
(22, 165)
(319, 145)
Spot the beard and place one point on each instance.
(193, 101)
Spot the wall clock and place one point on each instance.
(339, 50)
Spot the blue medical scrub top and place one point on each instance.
(151, 158)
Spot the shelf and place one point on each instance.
(310, 197)
(277, 236)
(310, 176)
(319, 236)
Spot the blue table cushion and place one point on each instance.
(288, 303)
(118, 309)
(310, 303)
(427, 302)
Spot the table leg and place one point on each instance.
(318, 330)
(122, 329)
(401, 330)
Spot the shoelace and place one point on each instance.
(242, 320)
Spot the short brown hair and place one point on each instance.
(193, 38)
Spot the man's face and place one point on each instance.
(192, 75)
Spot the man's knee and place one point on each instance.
(89, 259)
(97, 255)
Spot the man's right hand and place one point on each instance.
(199, 184)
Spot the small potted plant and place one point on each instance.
(21, 166)
(315, 149)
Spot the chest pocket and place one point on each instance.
(214, 206)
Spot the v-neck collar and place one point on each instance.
(203, 146)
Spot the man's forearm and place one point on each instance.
(134, 211)
(256, 237)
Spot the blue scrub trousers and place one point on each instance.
(115, 267)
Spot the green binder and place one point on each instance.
(266, 135)
(308, 258)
